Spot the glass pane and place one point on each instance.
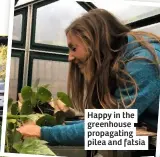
(51, 72)
(17, 27)
(13, 85)
(127, 12)
(53, 19)
(155, 28)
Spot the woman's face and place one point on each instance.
(78, 53)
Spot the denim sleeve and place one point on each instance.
(68, 135)
(146, 76)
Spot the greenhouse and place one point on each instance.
(40, 54)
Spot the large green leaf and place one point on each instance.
(17, 146)
(46, 86)
(26, 92)
(33, 99)
(11, 120)
(17, 137)
(46, 120)
(14, 108)
(9, 136)
(65, 99)
(35, 117)
(11, 124)
(44, 95)
(26, 108)
(33, 146)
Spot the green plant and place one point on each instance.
(33, 105)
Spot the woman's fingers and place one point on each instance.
(19, 130)
(30, 130)
(59, 105)
(62, 106)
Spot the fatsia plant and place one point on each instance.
(33, 105)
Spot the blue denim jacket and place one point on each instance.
(147, 101)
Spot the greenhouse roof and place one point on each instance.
(126, 12)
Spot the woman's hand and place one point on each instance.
(59, 105)
(30, 130)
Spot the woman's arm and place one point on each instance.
(64, 134)
(68, 135)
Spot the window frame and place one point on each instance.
(43, 56)
(40, 46)
(21, 43)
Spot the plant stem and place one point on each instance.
(10, 116)
(7, 147)
(39, 109)
(15, 126)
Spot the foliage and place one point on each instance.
(29, 143)
(3, 60)
(33, 105)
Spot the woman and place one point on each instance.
(111, 67)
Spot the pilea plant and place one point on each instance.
(33, 105)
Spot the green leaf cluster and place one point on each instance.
(33, 146)
(31, 98)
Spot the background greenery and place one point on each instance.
(3, 60)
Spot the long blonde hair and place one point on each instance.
(105, 38)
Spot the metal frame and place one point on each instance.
(87, 5)
(21, 43)
(28, 52)
(16, 1)
(27, 4)
(27, 44)
(145, 22)
(40, 46)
